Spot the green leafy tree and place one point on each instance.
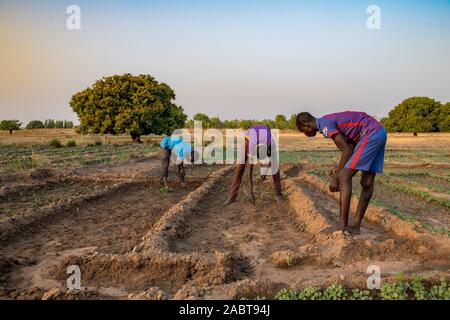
(10, 125)
(443, 117)
(206, 122)
(136, 105)
(35, 124)
(216, 123)
(416, 114)
(49, 124)
(68, 124)
(281, 122)
(292, 122)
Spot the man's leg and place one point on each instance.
(165, 162)
(180, 173)
(345, 187)
(236, 181)
(277, 183)
(367, 186)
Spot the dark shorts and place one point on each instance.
(369, 153)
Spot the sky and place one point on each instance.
(232, 59)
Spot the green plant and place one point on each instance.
(71, 144)
(290, 261)
(396, 290)
(55, 143)
(286, 294)
(441, 291)
(97, 143)
(310, 293)
(358, 294)
(166, 189)
(335, 292)
(418, 288)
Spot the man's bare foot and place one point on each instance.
(280, 199)
(229, 201)
(183, 184)
(354, 229)
(333, 229)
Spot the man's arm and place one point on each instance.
(346, 153)
(345, 148)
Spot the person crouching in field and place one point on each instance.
(178, 150)
(362, 140)
(258, 143)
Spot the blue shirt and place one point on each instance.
(177, 145)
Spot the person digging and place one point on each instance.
(176, 149)
(258, 145)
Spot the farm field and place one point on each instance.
(98, 205)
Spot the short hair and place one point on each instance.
(304, 118)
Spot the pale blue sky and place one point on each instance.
(245, 59)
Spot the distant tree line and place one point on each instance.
(415, 114)
(14, 125)
(50, 124)
(418, 114)
(280, 122)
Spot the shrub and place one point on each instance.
(71, 144)
(97, 143)
(55, 143)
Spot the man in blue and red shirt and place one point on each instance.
(362, 140)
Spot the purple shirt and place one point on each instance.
(351, 124)
(258, 134)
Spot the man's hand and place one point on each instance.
(334, 184)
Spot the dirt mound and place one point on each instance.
(133, 241)
(285, 258)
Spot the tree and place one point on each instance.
(416, 114)
(293, 122)
(215, 123)
(206, 122)
(136, 105)
(281, 122)
(35, 124)
(10, 125)
(49, 124)
(68, 124)
(443, 117)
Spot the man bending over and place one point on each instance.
(348, 129)
(177, 149)
(259, 144)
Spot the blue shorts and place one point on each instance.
(369, 153)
